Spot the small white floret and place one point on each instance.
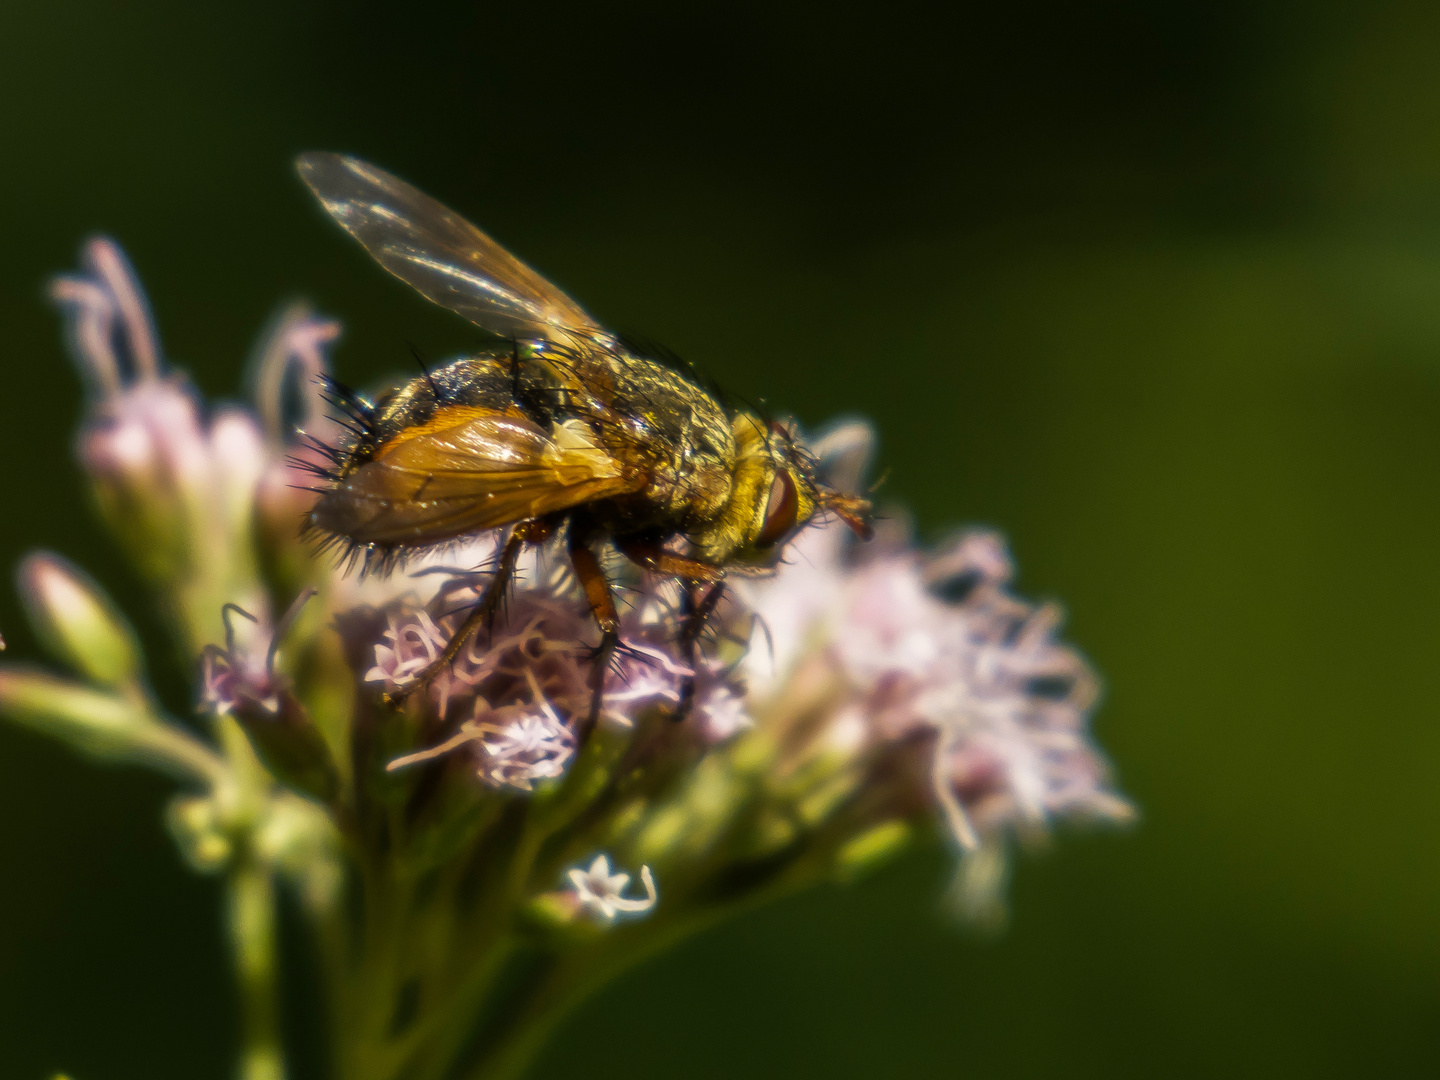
(601, 893)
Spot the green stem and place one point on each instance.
(252, 936)
(176, 750)
(252, 911)
(555, 989)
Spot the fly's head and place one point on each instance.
(776, 494)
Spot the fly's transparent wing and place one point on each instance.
(436, 251)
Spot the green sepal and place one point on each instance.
(290, 746)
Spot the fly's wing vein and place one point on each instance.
(440, 254)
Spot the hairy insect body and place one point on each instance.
(564, 430)
(670, 440)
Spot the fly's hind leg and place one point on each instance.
(483, 613)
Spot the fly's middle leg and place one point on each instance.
(483, 613)
(701, 586)
(697, 604)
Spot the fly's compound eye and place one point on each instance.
(784, 430)
(781, 510)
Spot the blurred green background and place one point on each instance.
(1152, 286)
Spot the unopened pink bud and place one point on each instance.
(77, 622)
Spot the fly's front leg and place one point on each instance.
(657, 560)
(701, 586)
(697, 604)
(602, 606)
(527, 532)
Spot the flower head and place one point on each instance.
(242, 676)
(934, 646)
(830, 711)
(516, 745)
(176, 487)
(526, 679)
(535, 745)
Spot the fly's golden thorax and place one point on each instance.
(683, 438)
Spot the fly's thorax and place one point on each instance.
(682, 435)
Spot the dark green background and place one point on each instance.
(1154, 287)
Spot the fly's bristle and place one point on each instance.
(351, 410)
(334, 453)
(314, 468)
(349, 556)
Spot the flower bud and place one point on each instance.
(195, 823)
(145, 454)
(863, 853)
(238, 462)
(77, 622)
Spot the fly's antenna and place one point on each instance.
(852, 510)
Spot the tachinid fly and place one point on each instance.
(561, 430)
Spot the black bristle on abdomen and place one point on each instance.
(355, 415)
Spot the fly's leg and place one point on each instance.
(657, 560)
(697, 602)
(696, 607)
(527, 532)
(602, 606)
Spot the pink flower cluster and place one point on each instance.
(935, 646)
(523, 686)
(915, 649)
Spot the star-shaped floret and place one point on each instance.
(601, 892)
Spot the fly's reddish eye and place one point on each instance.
(781, 510)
